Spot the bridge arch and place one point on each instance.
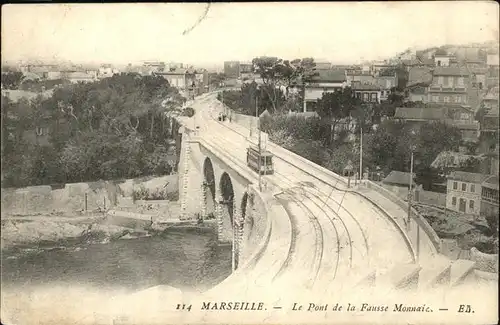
(209, 187)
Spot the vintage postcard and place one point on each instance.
(248, 163)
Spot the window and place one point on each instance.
(454, 201)
(471, 205)
(473, 188)
(464, 187)
(446, 99)
(455, 185)
(458, 99)
(435, 99)
(480, 85)
(439, 63)
(365, 96)
(460, 82)
(373, 97)
(440, 81)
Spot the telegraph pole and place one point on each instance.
(260, 145)
(410, 191)
(361, 156)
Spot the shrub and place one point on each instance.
(492, 221)
(140, 194)
(158, 194)
(188, 111)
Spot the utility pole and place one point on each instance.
(260, 145)
(410, 189)
(361, 155)
(222, 100)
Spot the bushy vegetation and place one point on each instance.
(114, 128)
(143, 193)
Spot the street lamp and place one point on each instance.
(411, 178)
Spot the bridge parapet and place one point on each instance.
(417, 217)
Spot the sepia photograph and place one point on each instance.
(250, 163)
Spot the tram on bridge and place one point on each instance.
(260, 161)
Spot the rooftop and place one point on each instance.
(468, 177)
(419, 75)
(364, 86)
(420, 113)
(451, 158)
(330, 75)
(398, 178)
(491, 182)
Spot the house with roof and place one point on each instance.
(442, 59)
(459, 117)
(367, 92)
(450, 160)
(490, 196)
(77, 76)
(324, 81)
(449, 86)
(463, 192)
(386, 82)
(358, 75)
(178, 78)
(472, 193)
(419, 79)
(399, 182)
(490, 100)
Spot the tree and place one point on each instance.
(334, 107)
(272, 70)
(11, 80)
(100, 130)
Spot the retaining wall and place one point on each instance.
(71, 197)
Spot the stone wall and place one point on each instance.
(71, 197)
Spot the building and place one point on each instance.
(490, 196)
(463, 192)
(323, 65)
(490, 100)
(449, 86)
(378, 67)
(492, 59)
(460, 117)
(75, 77)
(324, 81)
(419, 80)
(386, 82)
(358, 75)
(367, 92)
(443, 59)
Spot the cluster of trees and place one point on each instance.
(327, 138)
(386, 148)
(114, 128)
(11, 79)
(274, 94)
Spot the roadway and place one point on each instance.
(332, 230)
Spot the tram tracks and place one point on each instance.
(295, 208)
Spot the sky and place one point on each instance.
(339, 32)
